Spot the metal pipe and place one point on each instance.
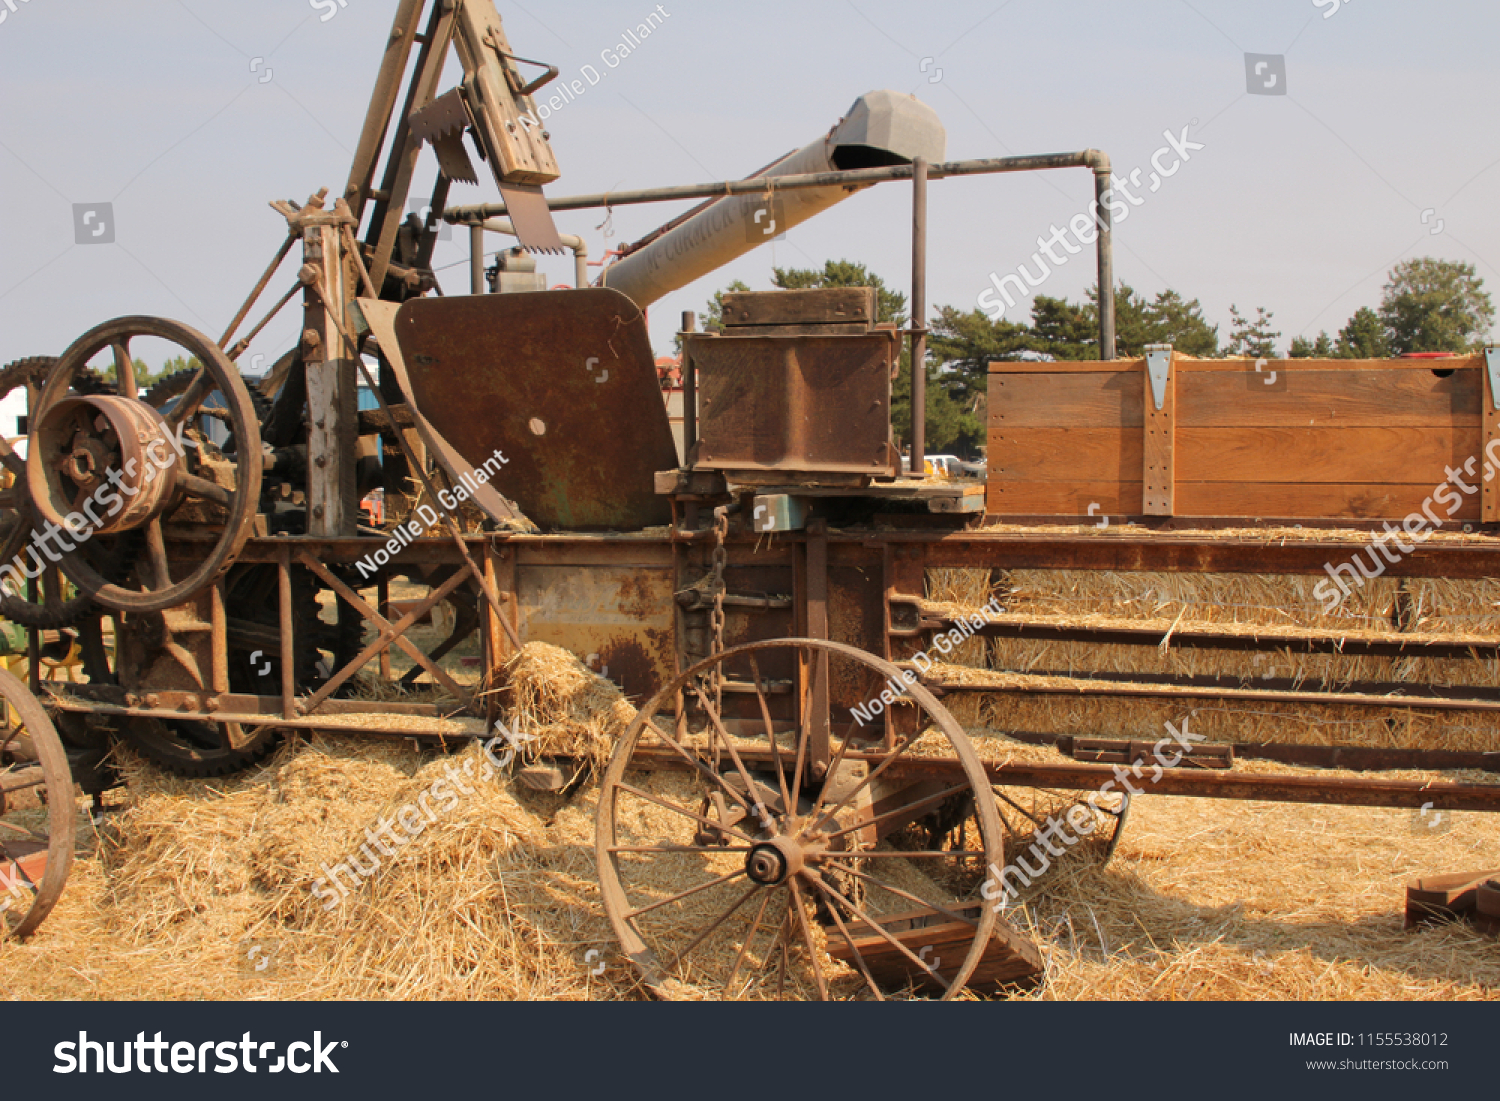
(1087, 158)
(857, 177)
(476, 258)
(577, 244)
(689, 391)
(1106, 254)
(919, 318)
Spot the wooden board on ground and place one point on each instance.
(1009, 960)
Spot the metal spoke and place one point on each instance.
(898, 854)
(901, 747)
(191, 399)
(855, 952)
(739, 957)
(765, 714)
(804, 725)
(833, 766)
(678, 849)
(701, 766)
(701, 937)
(124, 369)
(874, 925)
(156, 546)
(751, 802)
(864, 822)
(202, 487)
(684, 894)
(884, 886)
(685, 812)
(812, 949)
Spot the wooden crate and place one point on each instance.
(1295, 439)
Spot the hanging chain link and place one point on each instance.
(716, 617)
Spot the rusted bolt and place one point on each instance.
(132, 700)
(321, 461)
(318, 511)
(213, 703)
(152, 699)
(308, 274)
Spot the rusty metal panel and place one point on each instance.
(812, 404)
(562, 384)
(618, 618)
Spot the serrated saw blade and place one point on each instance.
(527, 209)
(442, 124)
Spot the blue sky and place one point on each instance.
(1299, 202)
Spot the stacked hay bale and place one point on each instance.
(1258, 605)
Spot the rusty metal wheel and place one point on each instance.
(759, 850)
(55, 604)
(118, 454)
(38, 812)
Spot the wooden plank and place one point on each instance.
(1316, 502)
(1339, 398)
(1224, 499)
(1159, 469)
(1075, 397)
(822, 305)
(1281, 366)
(332, 510)
(1354, 456)
(1231, 400)
(1116, 499)
(1079, 399)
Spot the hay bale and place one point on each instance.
(568, 709)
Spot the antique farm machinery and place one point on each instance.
(793, 785)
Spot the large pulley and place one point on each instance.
(106, 467)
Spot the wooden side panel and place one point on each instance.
(1310, 439)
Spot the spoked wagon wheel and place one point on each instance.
(759, 850)
(115, 466)
(38, 812)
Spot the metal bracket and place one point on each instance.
(514, 78)
(1492, 362)
(1158, 368)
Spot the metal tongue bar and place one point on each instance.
(527, 209)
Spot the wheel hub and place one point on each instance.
(84, 442)
(771, 862)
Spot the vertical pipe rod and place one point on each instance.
(288, 645)
(476, 259)
(919, 318)
(1105, 248)
(689, 392)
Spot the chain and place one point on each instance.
(716, 617)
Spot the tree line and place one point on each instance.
(1428, 305)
